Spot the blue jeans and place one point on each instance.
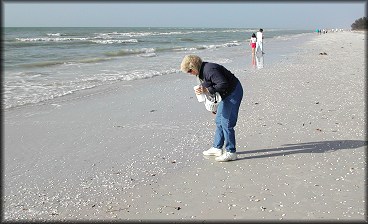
(226, 118)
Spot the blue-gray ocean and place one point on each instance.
(44, 63)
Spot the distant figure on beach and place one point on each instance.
(252, 43)
(217, 79)
(259, 44)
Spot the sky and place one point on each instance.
(288, 15)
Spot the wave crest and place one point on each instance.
(125, 52)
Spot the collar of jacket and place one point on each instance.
(200, 75)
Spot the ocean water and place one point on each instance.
(44, 63)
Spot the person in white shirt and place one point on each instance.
(260, 40)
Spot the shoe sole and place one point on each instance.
(225, 160)
(212, 154)
(231, 159)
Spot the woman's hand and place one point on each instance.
(201, 90)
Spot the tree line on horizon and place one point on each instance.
(360, 24)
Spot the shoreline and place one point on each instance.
(107, 155)
(277, 44)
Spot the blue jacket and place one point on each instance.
(216, 78)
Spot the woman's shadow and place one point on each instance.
(309, 147)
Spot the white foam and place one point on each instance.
(49, 39)
(214, 46)
(54, 34)
(115, 41)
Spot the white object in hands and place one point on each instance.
(212, 102)
(200, 97)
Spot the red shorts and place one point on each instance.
(253, 45)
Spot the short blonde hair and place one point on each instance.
(191, 62)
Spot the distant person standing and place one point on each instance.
(260, 40)
(253, 43)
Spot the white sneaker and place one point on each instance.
(227, 156)
(213, 152)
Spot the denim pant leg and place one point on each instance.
(226, 118)
(219, 134)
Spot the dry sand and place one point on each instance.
(133, 150)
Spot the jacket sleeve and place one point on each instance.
(217, 81)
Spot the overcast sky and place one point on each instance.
(291, 15)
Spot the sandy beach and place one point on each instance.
(133, 150)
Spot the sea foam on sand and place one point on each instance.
(134, 150)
